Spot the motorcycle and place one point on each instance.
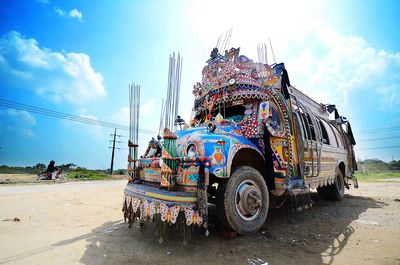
(57, 175)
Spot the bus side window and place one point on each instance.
(275, 119)
(309, 124)
(338, 137)
(331, 134)
(325, 138)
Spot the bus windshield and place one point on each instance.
(231, 113)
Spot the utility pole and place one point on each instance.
(113, 149)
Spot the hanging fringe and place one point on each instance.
(184, 217)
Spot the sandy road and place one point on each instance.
(81, 223)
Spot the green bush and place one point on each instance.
(372, 176)
(85, 174)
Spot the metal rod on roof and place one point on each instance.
(134, 105)
(262, 53)
(130, 114)
(178, 69)
(130, 118)
(137, 118)
(167, 102)
(161, 116)
(229, 38)
(218, 41)
(171, 105)
(272, 50)
(172, 110)
(224, 42)
(266, 53)
(172, 93)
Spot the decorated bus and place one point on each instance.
(254, 142)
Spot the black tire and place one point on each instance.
(335, 191)
(248, 215)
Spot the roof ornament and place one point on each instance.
(220, 46)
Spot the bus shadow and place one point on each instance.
(314, 236)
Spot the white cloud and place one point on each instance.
(81, 127)
(343, 65)
(27, 133)
(121, 116)
(82, 112)
(147, 108)
(21, 115)
(321, 61)
(18, 121)
(54, 75)
(75, 13)
(390, 96)
(59, 11)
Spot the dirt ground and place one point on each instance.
(31, 178)
(17, 178)
(81, 223)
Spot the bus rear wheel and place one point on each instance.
(333, 191)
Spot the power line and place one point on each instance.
(394, 127)
(116, 141)
(378, 130)
(376, 139)
(118, 148)
(380, 147)
(11, 104)
(56, 114)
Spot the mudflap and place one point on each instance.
(299, 199)
(355, 182)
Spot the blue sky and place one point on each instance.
(78, 57)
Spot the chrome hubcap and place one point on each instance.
(248, 200)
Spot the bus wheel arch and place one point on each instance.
(335, 190)
(252, 158)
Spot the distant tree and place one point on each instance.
(121, 172)
(40, 166)
(373, 161)
(376, 165)
(394, 165)
(67, 167)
